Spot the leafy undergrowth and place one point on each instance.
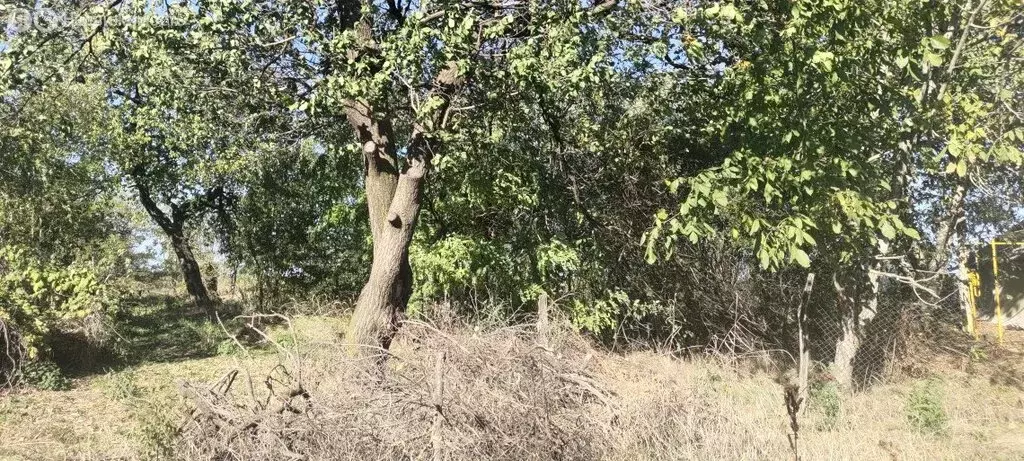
(503, 396)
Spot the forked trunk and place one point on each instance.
(393, 200)
(393, 195)
(383, 300)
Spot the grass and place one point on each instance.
(502, 390)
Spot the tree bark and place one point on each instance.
(394, 194)
(853, 319)
(191, 273)
(847, 344)
(948, 228)
(394, 201)
(964, 288)
(384, 298)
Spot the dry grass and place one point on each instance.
(94, 420)
(504, 397)
(705, 411)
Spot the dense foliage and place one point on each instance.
(63, 238)
(664, 170)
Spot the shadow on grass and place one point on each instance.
(151, 329)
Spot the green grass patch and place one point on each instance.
(925, 411)
(827, 400)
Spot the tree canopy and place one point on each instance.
(611, 154)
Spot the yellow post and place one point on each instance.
(996, 291)
(973, 292)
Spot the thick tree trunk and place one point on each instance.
(393, 194)
(192, 275)
(853, 320)
(394, 201)
(384, 298)
(847, 345)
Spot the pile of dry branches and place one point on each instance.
(498, 395)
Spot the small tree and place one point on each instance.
(182, 132)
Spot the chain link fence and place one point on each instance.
(887, 329)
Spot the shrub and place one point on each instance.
(827, 399)
(38, 297)
(924, 408)
(45, 375)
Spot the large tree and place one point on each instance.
(406, 77)
(188, 122)
(843, 123)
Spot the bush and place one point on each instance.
(827, 399)
(38, 297)
(45, 375)
(924, 408)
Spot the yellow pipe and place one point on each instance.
(996, 291)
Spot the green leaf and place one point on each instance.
(932, 59)
(887, 230)
(801, 258)
(824, 60)
(720, 198)
(939, 42)
(728, 12)
(679, 15)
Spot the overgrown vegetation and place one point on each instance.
(806, 181)
(45, 375)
